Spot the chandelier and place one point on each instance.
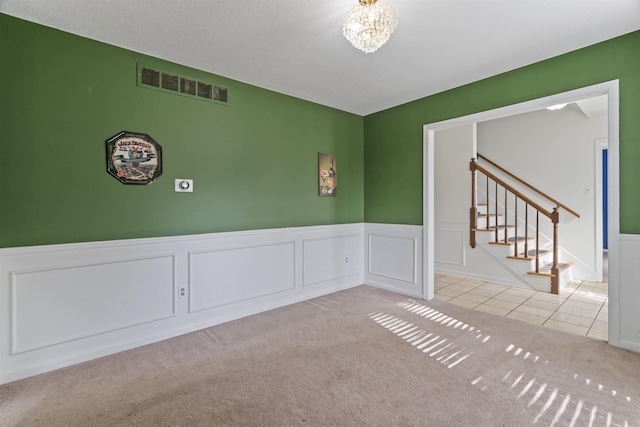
(369, 24)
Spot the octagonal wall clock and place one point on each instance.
(134, 158)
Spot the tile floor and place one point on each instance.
(581, 308)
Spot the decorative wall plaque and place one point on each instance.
(134, 158)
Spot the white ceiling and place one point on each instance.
(296, 47)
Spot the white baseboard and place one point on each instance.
(483, 277)
(65, 304)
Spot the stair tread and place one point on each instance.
(493, 228)
(522, 257)
(531, 255)
(541, 252)
(546, 269)
(512, 240)
(519, 239)
(561, 266)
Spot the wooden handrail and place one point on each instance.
(476, 166)
(557, 203)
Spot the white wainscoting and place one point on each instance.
(394, 258)
(628, 292)
(225, 276)
(330, 259)
(51, 306)
(64, 304)
(449, 242)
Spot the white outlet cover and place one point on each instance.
(184, 185)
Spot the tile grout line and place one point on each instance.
(593, 320)
(563, 303)
(596, 317)
(529, 298)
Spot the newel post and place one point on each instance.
(555, 274)
(473, 212)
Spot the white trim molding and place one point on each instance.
(69, 303)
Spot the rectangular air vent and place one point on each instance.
(168, 82)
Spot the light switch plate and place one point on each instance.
(184, 185)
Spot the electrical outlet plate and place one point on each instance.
(184, 185)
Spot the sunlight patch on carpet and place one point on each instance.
(426, 312)
(435, 346)
(537, 391)
(442, 349)
(546, 398)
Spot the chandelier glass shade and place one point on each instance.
(369, 24)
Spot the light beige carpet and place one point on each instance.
(361, 357)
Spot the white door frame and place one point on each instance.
(611, 89)
(600, 145)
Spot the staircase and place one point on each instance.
(518, 254)
(519, 246)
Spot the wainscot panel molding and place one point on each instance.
(325, 260)
(226, 276)
(65, 304)
(394, 258)
(449, 241)
(628, 293)
(55, 305)
(453, 256)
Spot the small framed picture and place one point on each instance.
(327, 175)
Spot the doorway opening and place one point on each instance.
(611, 90)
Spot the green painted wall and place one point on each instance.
(393, 138)
(254, 162)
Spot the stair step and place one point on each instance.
(500, 243)
(546, 269)
(519, 239)
(531, 254)
(541, 252)
(493, 228)
(501, 227)
(512, 240)
(521, 257)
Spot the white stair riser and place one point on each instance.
(521, 267)
(491, 219)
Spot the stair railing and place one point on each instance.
(531, 187)
(553, 216)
